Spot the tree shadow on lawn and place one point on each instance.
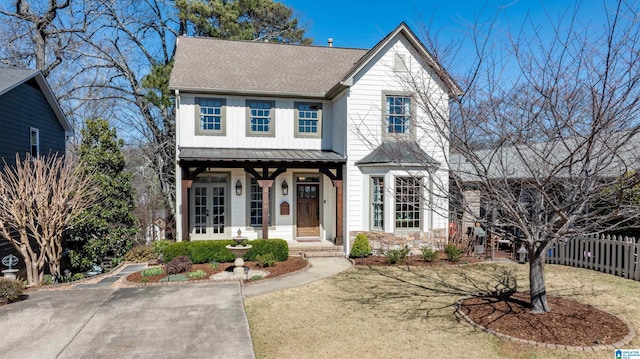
(424, 293)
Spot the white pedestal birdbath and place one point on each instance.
(239, 250)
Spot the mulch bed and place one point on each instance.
(290, 265)
(568, 323)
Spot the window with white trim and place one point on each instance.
(210, 116)
(308, 119)
(408, 198)
(377, 203)
(34, 141)
(260, 118)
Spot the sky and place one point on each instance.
(361, 24)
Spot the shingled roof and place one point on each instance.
(215, 65)
(11, 78)
(212, 65)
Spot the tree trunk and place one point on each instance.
(537, 286)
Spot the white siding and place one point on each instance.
(236, 122)
(364, 133)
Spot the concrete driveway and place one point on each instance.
(180, 321)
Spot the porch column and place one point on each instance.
(339, 222)
(186, 185)
(265, 185)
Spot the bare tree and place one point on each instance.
(559, 132)
(41, 198)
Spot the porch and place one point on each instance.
(289, 194)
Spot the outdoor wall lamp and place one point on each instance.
(285, 188)
(238, 188)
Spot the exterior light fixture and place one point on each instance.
(285, 188)
(238, 188)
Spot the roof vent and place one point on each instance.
(330, 41)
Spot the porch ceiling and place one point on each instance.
(246, 155)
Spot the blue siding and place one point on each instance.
(20, 109)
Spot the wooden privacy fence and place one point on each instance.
(615, 255)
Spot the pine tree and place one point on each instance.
(108, 228)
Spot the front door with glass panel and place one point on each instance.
(209, 208)
(308, 213)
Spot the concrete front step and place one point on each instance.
(324, 251)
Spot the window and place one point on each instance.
(408, 199)
(308, 119)
(260, 118)
(255, 203)
(397, 114)
(34, 139)
(210, 116)
(377, 202)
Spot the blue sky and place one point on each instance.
(361, 24)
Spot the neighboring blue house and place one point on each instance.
(31, 121)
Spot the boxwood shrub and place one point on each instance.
(277, 247)
(215, 251)
(173, 250)
(209, 251)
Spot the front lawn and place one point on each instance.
(408, 312)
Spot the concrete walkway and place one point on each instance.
(320, 268)
(204, 320)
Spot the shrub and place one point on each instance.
(197, 274)
(173, 250)
(213, 265)
(151, 272)
(77, 276)
(266, 260)
(361, 247)
(429, 255)
(140, 254)
(277, 247)
(453, 252)
(47, 279)
(10, 290)
(208, 251)
(179, 264)
(397, 256)
(159, 246)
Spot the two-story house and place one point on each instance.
(31, 121)
(309, 142)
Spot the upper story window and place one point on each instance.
(260, 118)
(34, 138)
(308, 119)
(397, 114)
(210, 116)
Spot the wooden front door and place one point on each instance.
(307, 207)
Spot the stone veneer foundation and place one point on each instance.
(382, 241)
